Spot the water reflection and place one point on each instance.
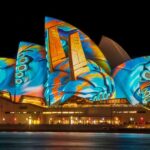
(71, 141)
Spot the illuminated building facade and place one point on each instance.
(136, 74)
(7, 74)
(31, 73)
(71, 64)
(76, 111)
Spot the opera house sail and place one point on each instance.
(30, 75)
(136, 74)
(7, 74)
(72, 65)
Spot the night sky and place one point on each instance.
(128, 25)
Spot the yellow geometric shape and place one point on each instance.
(56, 51)
(77, 59)
(33, 100)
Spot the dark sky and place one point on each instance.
(127, 25)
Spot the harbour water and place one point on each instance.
(73, 140)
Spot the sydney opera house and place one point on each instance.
(71, 80)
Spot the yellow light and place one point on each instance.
(3, 119)
(108, 121)
(46, 112)
(72, 121)
(71, 112)
(5, 94)
(65, 112)
(116, 121)
(101, 121)
(34, 121)
(131, 119)
(30, 121)
(116, 118)
(38, 121)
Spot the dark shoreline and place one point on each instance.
(71, 128)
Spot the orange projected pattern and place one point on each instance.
(52, 24)
(144, 85)
(56, 50)
(90, 49)
(78, 62)
(88, 80)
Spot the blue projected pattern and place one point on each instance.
(94, 85)
(31, 70)
(71, 64)
(7, 72)
(132, 80)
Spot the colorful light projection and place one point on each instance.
(7, 72)
(72, 65)
(90, 49)
(31, 72)
(132, 80)
(72, 73)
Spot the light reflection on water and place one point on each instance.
(72, 140)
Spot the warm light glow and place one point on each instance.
(125, 112)
(116, 121)
(12, 112)
(116, 118)
(142, 119)
(5, 94)
(30, 120)
(131, 119)
(72, 121)
(108, 121)
(33, 100)
(59, 112)
(103, 118)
